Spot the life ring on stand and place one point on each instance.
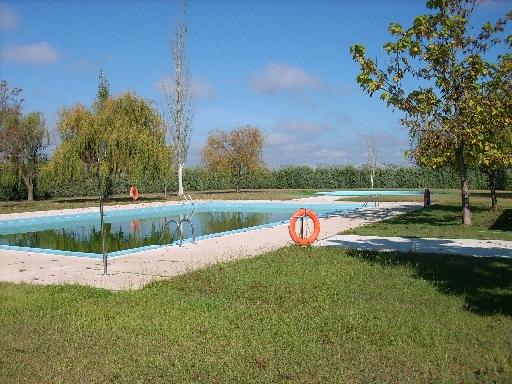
(301, 214)
(135, 225)
(134, 193)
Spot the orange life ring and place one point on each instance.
(135, 225)
(134, 193)
(316, 231)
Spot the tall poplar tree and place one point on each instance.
(179, 100)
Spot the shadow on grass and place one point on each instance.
(487, 195)
(503, 222)
(484, 283)
(440, 215)
(433, 215)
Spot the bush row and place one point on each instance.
(289, 177)
(344, 177)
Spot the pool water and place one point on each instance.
(371, 192)
(131, 230)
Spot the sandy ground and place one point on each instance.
(135, 270)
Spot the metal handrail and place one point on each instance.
(193, 232)
(376, 201)
(178, 228)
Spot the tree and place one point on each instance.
(440, 51)
(9, 103)
(371, 147)
(22, 144)
(23, 138)
(494, 115)
(178, 95)
(103, 93)
(238, 152)
(134, 133)
(491, 149)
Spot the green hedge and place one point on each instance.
(288, 177)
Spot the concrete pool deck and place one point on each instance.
(134, 270)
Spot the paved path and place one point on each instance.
(478, 248)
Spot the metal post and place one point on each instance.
(103, 147)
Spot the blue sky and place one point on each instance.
(283, 66)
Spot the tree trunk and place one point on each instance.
(238, 179)
(30, 187)
(180, 179)
(464, 187)
(492, 184)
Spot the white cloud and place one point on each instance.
(201, 89)
(8, 18)
(297, 127)
(289, 142)
(330, 156)
(274, 140)
(37, 54)
(277, 78)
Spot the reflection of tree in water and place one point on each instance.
(75, 239)
(88, 239)
(215, 222)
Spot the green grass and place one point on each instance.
(295, 315)
(443, 220)
(311, 315)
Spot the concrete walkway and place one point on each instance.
(477, 248)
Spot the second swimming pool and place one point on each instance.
(361, 192)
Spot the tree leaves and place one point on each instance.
(134, 133)
(238, 152)
(449, 63)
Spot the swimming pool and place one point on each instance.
(371, 192)
(133, 230)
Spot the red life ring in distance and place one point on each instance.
(316, 231)
(135, 225)
(134, 193)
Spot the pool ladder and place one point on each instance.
(376, 200)
(179, 227)
(186, 197)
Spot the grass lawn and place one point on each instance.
(82, 202)
(443, 219)
(295, 315)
